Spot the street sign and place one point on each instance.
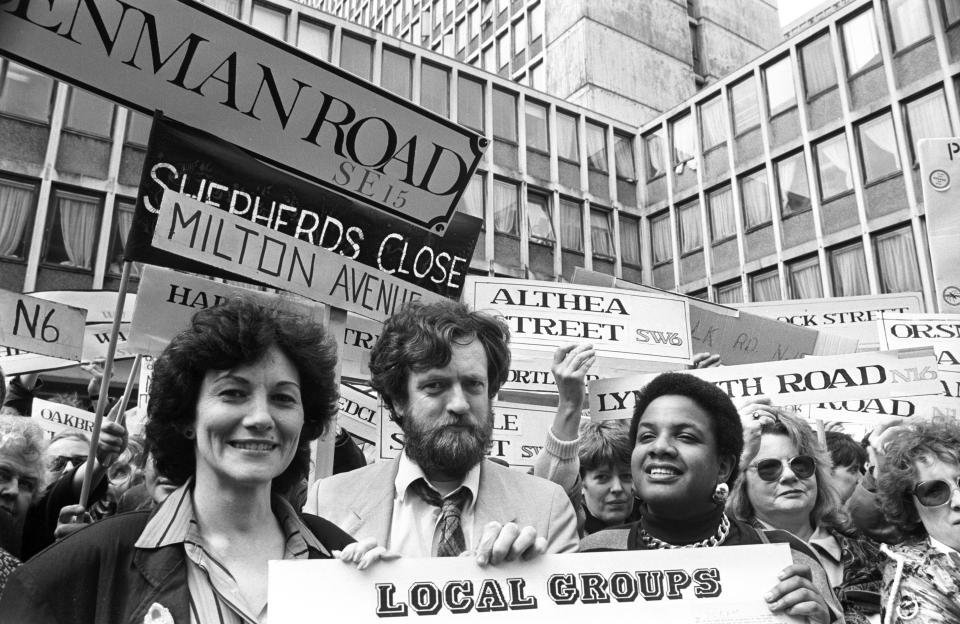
(212, 72)
(940, 180)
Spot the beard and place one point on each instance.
(444, 450)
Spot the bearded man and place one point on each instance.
(437, 368)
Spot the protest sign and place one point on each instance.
(853, 317)
(519, 432)
(17, 362)
(143, 396)
(940, 331)
(56, 417)
(530, 371)
(40, 326)
(216, 238)
(684, 586)
(871, 412)
(939, 177)
(99, 304)
(545, 315)
(221, 175)
(358, 412)
(96, 341)
(737, 337)
(208, 70)
(359, 336)
(877, 374)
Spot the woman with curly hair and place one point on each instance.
(788, 486)
(919, 487)
(234, 403)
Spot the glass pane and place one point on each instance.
(314, 39)
(230, 7)
(951, 11)
(269, 21)
(713, 131)
(792, 181)
(470, 103)
(729, 293)
(505, 208)
(539, 219)
(909, 21)
(536, 120)
(568, 146)
(819, 73)
(356, 56)
(833, 166)
(519, 36)
(435, 89)
(25, 92)
(17, 204)
(684, 142)
(691, 233)
(897, 262)
(471, 202)
(629, 240)
(927, 118)
(623, 154)
(504, 115)
(397, 73)
(601, 233)
(536, 22)
(723, 222)
(653, 150)
(780, 92)
(743, 100)
(765, 286)
(72, 231)
(849, 270)
(804, 279)
(753, 194)
(878, 146)
(461, 35)
(503, 51)
(596, 147)
(660, 238)
(138, 128)
(90, 114)
(571, 225)
(860, 46)
(122, 220)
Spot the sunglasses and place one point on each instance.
(59, 462)
(935, 492)
(771, 469)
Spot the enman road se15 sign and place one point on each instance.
(211, 72)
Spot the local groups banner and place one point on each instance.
(722, 585)
(545, 315)
(871, 375)
(56, 417)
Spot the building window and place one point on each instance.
(89, 114)
(490, 59)
(470, 103)
(536, 118)
(269, 21)
(519, 29)
(848, 270)
(728, 293)
(951, 12)
(653, 154)
(17, 204)
(819, 73)
(684, 143)
(713, 127)
(462, 36)
(792, 185)
(503, 51)
(601, 232)
(397, 73)
(474, 17)
(571, 225)
(504, 115)
(314, 39)
(629, 240)
(765, 286)
(660, 238)
(449, 42)
(833, 167)
(743, 102)
(138, 128)
(909, 22)
(471, 202)
(897, 261)
(356, 56)
(691, 233)
(122, 219)
(781, 94)
(756, 203)
(803, 279)
(878, 148)
(723, 223)
(435, 88)
(568, 142)
(927, 118)
(505, 208)
(72, 231)
(536, 22)
(540, 219)
(861, 49)
(24, 92)
(230, 7)
(623, 155)
(537, 77)
(596, 147)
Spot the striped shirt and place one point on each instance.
(214, 593)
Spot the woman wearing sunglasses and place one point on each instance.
(788, 486)
(919, 487)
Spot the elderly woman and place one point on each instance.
(21, 479)
(235, 401)
(919, 487)
(688, 440)
(788, 486)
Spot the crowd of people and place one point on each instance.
(180, 523)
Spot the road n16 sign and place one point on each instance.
(940, 177)
(209, 71)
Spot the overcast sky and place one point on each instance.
(792, 9)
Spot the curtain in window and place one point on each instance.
(729, 294)
(805, 281)
(536, 126)
(723, 223)
(660, 235)
(928, 118)
(571, 225)
(794, 196)
(834, 167)
(756, 206)
(15, 203)
(691, 236)
(765, 287)
(629, 240)
(909, 21)
(601, 232)
(471, 202)
(897, 261)
(505, 208)
(746, 113)
(879, 144)
(654, 155)
(818, 70)
(596, 148)
(860, 42)
(849, 272)
(539, 219)
(567, 145)
(623, 153)
(683, 140)
(78, 227)
(712, 124)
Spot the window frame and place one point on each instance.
(732, 89)
(762, 173)
(806, 180)
(767, 273)
(897, 51)
(783, 107)
(32, 186)
(545, 150)
(841, 27)
(548, 209)
(835, 282)
(816, 157)
(693, 204)
(795, 265)
(54, 207)
(655, 220)
(861, 154)
(801, 51)
(630, 220)
(576, 128)
(714, 192)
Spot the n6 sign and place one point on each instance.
(40, 326)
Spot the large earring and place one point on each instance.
(189, 433)
(721, 493)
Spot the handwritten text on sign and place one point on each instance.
(228, 242)
(877, 374)
(544, 315)
(40, 326)
(698, 585)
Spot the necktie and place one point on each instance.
(451, 542)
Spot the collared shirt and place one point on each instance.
(413, 528)
(830, 553)
(214, 593)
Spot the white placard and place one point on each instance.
(56, 417)
(940, 331)
(359, 412)
(41, 326)
(99, 304)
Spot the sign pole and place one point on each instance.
(105, 384)
(336, 321)
(822, 432)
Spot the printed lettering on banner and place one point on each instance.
(56, 417)
(940, 182)
(683, 586)
(42, 327)
(143, 396)
(940, 331)
(545, 315)
(359, 412)
(359, 336)
(871, 375)
(96, 340)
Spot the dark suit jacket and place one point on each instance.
(361, 503)
(97, 576)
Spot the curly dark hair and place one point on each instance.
(419, 338)
(938, 437)
(220, 338)
(727, 430)
(604, 443)
(845, 451)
